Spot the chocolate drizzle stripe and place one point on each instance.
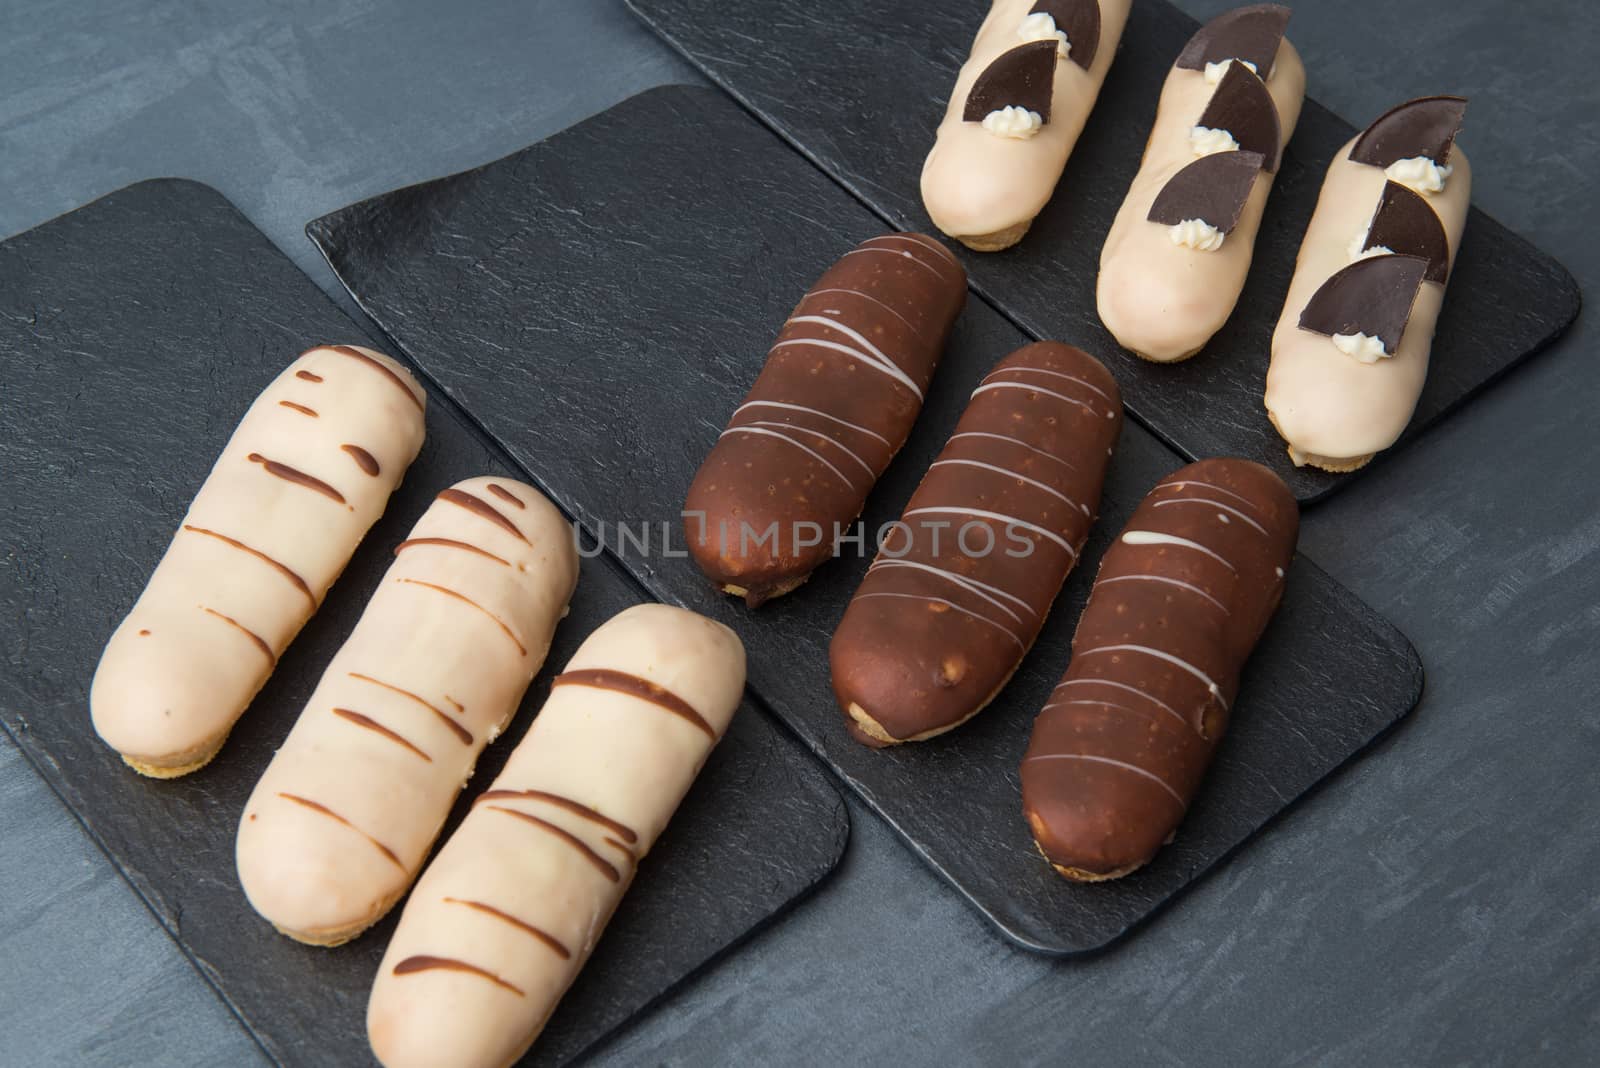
(449, 543)
(1085, 383)
(819, 434)
(522, 925)
(802, 446)
(1134, 768)
(948, 257)
(634, 686)
(364, 459)
(373, 725)
(865, 251)
(1212, 504)
(457, 705)
(301, 408)
(256, 639)
(424, 963)
(1124, 687)
(1014, 441)
(1210, 486)
(387, 371)
(448, 592)
(1156, 537)
(299, 478)
(868, 353)
(604, 866)
(305, 802)
(949, 604)
(483, 510)
(997, 517)
(864, 296)
(506, 495)
(1191, 587)
(997, 469)
(962, 582)
(460, 732)
(785, 406)
(308, 376)
(575, 807)
(990, 386)
(1175, 661)
(1096, 703)
(298, 582)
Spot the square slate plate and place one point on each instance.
(859, 88)
(133, 334)
(601, 302)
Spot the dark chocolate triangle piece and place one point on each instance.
(1250, 33)
(1406, 223)
(1021, 78)
(1242, 106)
(1371, 296)
(1212, 188)
(1080, 21)
(1426, 127)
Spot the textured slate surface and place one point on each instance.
(601, 302)
(133, 333)
(818, 74)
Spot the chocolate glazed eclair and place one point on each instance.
(963, 583)
(1181, 599)
(838, 395)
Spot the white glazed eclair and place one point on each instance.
(1176, 257)
(1350, 352)
(306, 473)
(1015, 114)
(345, 814)
(508, 912)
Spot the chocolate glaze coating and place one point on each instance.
(838, 395)
(1120, 748)
(936, 628)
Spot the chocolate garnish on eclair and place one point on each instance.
(1212, 189)
(1424, 127)
(1405, 223)
(1023, 77)
(1251, 34)
(1243, 107)
(1080, 21)
(1371, 296)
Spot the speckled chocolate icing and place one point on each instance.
(840, 390)
(951, 604)
(1181, 599)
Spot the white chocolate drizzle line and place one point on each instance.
(1214, 504)
(810, 411)
(872, 356)
(864, 296)
(829, 438)
(1179, 662)
(986, 387)
(1007, 631)
(1152, 776)
(895, 252)
(1009, 474)
(1247, 502)
(823, 460)
(970, 585)
(946, 253)
(1158, 702)
(997, 517)
(1014, 441)
(1168, 581)
(1152, 537)
(1091, 387)
(1112, 704)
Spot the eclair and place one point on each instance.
(342, 819)
(1018, 106)
(508, 912)
(1350, 352)
(1175, 260)
(964, 580)
(1182, 597)
(835, 401)
(308, 470)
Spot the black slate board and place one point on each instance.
(133, 334)
(602, 301)
(860, 87)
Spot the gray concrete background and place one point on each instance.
(1436, 903)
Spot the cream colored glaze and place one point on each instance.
(174, 678)
(1160, 299)
(974, 183)
(1327, 404)
(624, 757)
(320, 881)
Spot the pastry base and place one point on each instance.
(757, 598)
(997, 241)
(1338, 465)
(338, 936)
(177, 765)
(1081, 875)
(869, 732)
(1147, 358)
